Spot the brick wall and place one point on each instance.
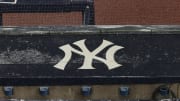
(31, 19)
(137, 11)
(108, 12)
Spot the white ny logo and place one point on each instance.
(89, 56)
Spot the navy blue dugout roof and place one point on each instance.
(122, 54)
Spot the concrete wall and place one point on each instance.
(137, 91)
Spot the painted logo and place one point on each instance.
(8, 1)
(90, 56)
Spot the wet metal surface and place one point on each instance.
(131, 29)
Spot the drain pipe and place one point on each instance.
(88, 10)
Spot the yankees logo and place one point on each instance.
(89, 56)
(8, 1)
